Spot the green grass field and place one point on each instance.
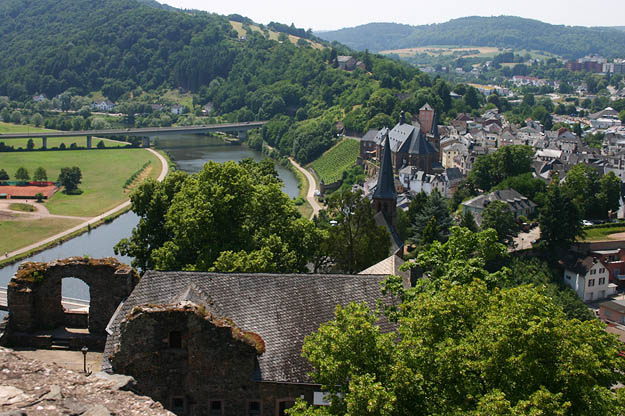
(18, 234)
(594, 234)
(22, 207)
(104, 173)
(52, 141)
(340, 157)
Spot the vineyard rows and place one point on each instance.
(342, 156)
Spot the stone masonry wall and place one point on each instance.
(215, 362)
(34, 293)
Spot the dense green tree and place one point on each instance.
(37, 120)
(499, 217)
(4, 176)
(609, 195)
(471, 98)
(489, 170)
(511, 351)
(355, 242)
(467, 220)
(22, 174)
(434, 207)
(40, 175)
(560, 222)
(70, 178)
(30, 144)
(593, 195)
(228, 217)
(525, 184)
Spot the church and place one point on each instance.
(410, 144)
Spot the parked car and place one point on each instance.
(586, 223)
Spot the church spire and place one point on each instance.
(386, 180)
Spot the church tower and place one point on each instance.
(385, 197)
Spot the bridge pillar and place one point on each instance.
(242, 134)
(44, 142)
(146, 142)
(88, 142)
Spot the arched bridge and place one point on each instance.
(239, 129)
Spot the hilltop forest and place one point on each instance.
(502, 31)
(123, 48)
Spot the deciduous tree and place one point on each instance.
(499, 217)
(40, 175)
(355, 242)
(70, 178)
(22, 174)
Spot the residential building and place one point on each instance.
(589, 278)
(346, 63)
(103, 106)
(518, 204)
(177, 109)
(612, 311)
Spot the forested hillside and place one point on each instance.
(502, 31)
(121, 49)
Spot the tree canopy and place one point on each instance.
(465, 349)
(229, 217)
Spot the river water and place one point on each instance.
(190, 152)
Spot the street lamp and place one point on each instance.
(84, 351)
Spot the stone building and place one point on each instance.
(410, 144)
(227, 344)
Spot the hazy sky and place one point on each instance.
(336, 14)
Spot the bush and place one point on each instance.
(299, 201)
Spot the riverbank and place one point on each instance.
(85, 226)
(311, 186)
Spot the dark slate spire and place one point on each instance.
(386, 180)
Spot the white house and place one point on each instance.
(590, 278)
(104, 106)
(177, 109)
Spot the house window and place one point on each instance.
(283, 405)
(602, 270)
(216, 408)
(178, 404)
(591, 282)
(568, 277)
(593, 271)
(601, 281)
(253, 408)
(175, 339)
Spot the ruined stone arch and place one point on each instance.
(34, 293)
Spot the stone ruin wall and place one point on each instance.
(34, 293)
(216, 361)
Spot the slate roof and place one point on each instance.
(282, 309)
(370, 136)
(514, 200)
(386, 179)
(580, 265)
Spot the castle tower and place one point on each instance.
(385, 197)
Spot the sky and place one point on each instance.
(337, 14)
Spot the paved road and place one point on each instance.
(91, 221)
(523, 241)
(312, 187)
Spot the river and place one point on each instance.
(190, 152)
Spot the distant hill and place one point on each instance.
(503, 31)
